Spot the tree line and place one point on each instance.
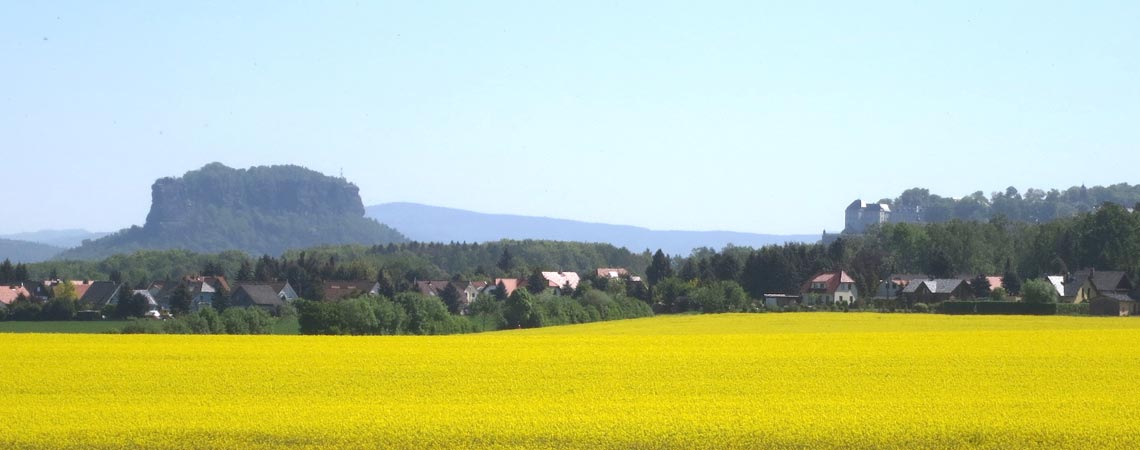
(1105, 239)
(1034, 206)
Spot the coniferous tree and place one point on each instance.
(450, 296)
(537, 283)
(659, 269)
(7, 272)
(20, 273)
(221, 301)
(500, 291)
(180, 300)
(1010, 280)
(386, 287)
(245, 272)
(506, 261)
(981, 286)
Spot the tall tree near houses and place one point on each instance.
(6, 271)
(245, 272)
(981, 286)
(130, 304)
(536, 283)
(1010, 280)
(660, 268)
(450, 296)
(500, 291)
(20, 273)
(64, 290)
(180, 300)
(221, 301)
(387, 288)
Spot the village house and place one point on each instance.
(1112, 304)
(201, 289)
(616, 273)
(468, 290)
(556, 281)
(11, 292)
(1088, 284)
(339, 290)
(781, 300)
(892, 287)
(829, 288)
(264, 296)
(937, 290)
(100, 294)
(509, 285)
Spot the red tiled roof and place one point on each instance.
(509, 284)
(830, 280)
(559, 279)
(9, 294)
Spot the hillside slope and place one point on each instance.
(26, 252)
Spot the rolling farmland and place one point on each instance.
(747, 381)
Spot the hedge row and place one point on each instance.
(1032, 309)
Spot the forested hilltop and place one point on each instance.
(1034, 206)
(267, 209)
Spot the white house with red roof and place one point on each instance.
(827, 288)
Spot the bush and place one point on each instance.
(720, 297)
(24, 310)
(176, 326)
(139, 327)
(1038, 291)
(59, 309)
(921, 308)
(1073, 309)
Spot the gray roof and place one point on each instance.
(1103, 281)
(260, 294)
(1117, 297)
(938, 286)
(100, 293)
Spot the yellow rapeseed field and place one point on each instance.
(814, 380)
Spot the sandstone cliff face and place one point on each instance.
(261, 210)
(262, 190)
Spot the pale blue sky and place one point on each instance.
(743, 116)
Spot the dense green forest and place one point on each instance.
(257, 210)
(1034, 206)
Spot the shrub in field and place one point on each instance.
(921, 308)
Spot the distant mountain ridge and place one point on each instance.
(260, 210)
(26, 252)
(438, 224)
(56, 238)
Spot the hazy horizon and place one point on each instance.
(731, 116)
